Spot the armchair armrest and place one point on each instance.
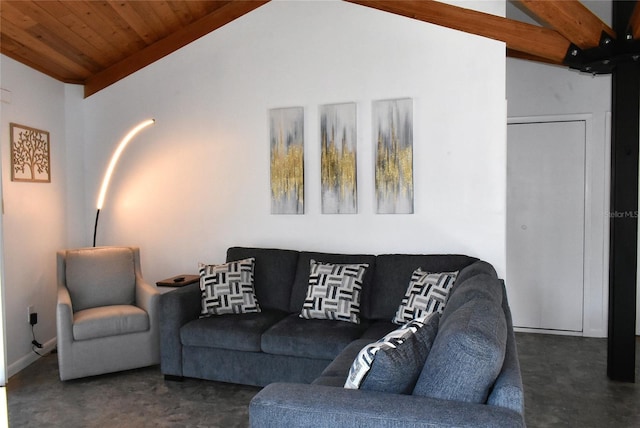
(176, 309)
(317, 406)
(64, 315)
(148, 298)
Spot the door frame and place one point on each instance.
(596, 226)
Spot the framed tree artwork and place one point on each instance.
(30, 154)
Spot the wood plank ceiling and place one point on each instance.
(96, 43)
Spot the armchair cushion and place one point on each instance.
(89, 288)
(109, 321)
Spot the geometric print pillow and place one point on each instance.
(427, 293)
(392, 341)
(228, 288)
(334, 292)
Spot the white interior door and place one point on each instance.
(545, 224)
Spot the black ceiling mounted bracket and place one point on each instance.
(605, 57)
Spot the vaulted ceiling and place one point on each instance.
(96, 43)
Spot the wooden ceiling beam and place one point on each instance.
(634, 22)
(522, 55)
(169, 44)
(530, 39)
(571, 19)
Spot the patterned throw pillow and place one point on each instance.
(396, 359)
(334, 292)
(427, 293)
(228, 288)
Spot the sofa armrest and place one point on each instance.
(176, 309)
(508, 390)
(318, 406)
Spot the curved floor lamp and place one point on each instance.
(112, 165)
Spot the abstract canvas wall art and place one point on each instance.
(30, 154)
(338, 158)
(393, 139)
(287, 160)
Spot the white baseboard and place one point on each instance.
(543, 331)
(30, 358)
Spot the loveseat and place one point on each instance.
(471, 375)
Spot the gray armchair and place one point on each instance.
(107, 315)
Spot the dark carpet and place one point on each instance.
(135, 398)
(564, 378)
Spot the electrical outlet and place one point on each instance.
(30, 310)
(33, 318)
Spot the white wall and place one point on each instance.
(197, 181)
(535, 89)
(35, 216)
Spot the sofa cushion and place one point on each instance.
(397, 370)
(427, 293)
(336, 373)
(392, 275)
(378, 329)
(228, 288)
(88, 288)
(273, 276)
(111, 320)
(467, 354)
(240, 332)
(393, 363)
(334, 292)
(301, 282)
(298, 337)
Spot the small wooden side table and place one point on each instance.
(177, 281)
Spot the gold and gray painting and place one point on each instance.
(338, 158)
(287, 160)
(393, 134)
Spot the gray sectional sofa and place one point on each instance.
(471, 376)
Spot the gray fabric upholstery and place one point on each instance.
(177, 308)
(301, 282)
(393, 274)
(476, 268)
(240, 332)
(467, 354)
(273, 274)
(107, 353)
(89, 290)
(298, 337)
(481, 286)
(249, 368)
(296, 350)
(396, 370)
(109, 321)
(378, 329)
(318, 406)
(336, 373)
(508, 391)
